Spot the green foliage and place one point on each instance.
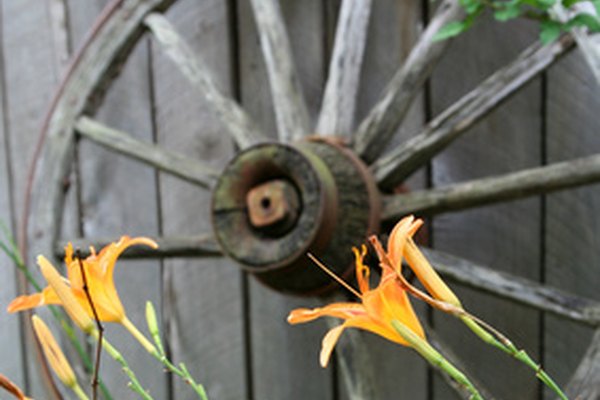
(538, 10)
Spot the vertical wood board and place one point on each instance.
(119, 197)
(11, 343)
(572, 218)
(203, 297)
(503, 237)
(30, 74)
(393, 30)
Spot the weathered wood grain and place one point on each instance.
(167, 161)
(203, 298)
(503, 237)
(512, 186)
(118, 196)
(30, 74)
(341, 90)
(525, 291)
(585, 382)
(406, 158)
(288, 355)
(572, 219)
(394, 28)
(375, 131)
(12, 343)
(293, 120)
(93, 68)
(235, 121)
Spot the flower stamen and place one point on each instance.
(334, 276)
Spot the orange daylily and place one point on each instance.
(378, 308)
(99, 268)
(401, 244)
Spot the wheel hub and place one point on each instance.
(275, 203)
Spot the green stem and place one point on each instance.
(79, 392)
(139, 336)
(159, 354)
(436, 359)
(508, 347)
(135, 384)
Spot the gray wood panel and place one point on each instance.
(504, 237)
(393, 30)
(30, 73)
(288, 355)
(119, 197)
(11, 343)
(203, 300)
(572, 218)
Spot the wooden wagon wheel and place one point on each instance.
(323, 192)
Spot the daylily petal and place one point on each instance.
(427, 275)
(337, 310)
(26, 302)
(109, 254)
(403, 230)
(392, 303)
(72, 306)
(329, 342)
(371, 325)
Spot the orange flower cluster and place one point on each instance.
(389, 300)
(98, 269)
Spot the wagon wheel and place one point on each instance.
(278, 199)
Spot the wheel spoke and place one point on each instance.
(511, 186)
(378, 127)
(515, 288)
(393, 168)
(235, 120)
(183, 167)
(203, 245)
(339, 101)
(585, 382)
(290, 107)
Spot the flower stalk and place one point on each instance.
(159, 353)
(436, 359)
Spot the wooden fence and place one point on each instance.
(229, 329)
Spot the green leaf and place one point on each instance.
(596, 4)
(584, 20)
(450, 30)
(509, 11)
(549, 31)
(471, 6)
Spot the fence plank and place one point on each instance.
(393, 31)
(11, 343)
(506, 141)
(119, 196)
(30, 73)
(571, 239)
(284, 358)
(203, 297)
